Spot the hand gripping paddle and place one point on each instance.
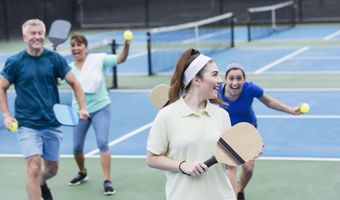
(236, 146)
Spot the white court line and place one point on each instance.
(318, 58)
(300, 158)
(301, 72)
(266, 89)
(11, 156)
(332, 35)
(143, 157)
(306, 116)
(302, 89)
(71, 156)
(281, 60)
(136, 55)
(105, 42)
(260, 158)
(121, 156)
(139, 130)
(140, 54)
(122, 138)
(206, 36)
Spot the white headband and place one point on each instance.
(194, 67)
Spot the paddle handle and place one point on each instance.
(211, 161)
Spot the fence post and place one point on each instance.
(148, 36)
(114, 68)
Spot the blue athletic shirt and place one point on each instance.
(241, 110)
(34, 78)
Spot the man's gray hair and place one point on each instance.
(33, 22)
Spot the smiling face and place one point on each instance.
(34, 36)
(234, 82)
(210, 81)
(79, 50)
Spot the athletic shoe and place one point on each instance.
(108, 188)
(240, 196)
(80, 178)
(45, 192)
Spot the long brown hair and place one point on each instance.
(177, 86)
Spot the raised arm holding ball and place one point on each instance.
(90, 69)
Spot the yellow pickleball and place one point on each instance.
(13, 127)
(304, 108)
(128, 35)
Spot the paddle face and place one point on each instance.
(59, 32)
(238, 145)
(65, 115)
(160, 96)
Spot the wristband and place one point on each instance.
(180, 169)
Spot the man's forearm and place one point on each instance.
(3, 103)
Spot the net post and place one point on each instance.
(295, 10)
(114, 68)
(196, 37)
(248, 27)
(274, 20)
(148, 36)
(232, 36)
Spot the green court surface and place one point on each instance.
(134, 180)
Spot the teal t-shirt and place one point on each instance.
(34, 78)
(100, 99)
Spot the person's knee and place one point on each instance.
(102, 144)
(34, 168)
(103, 147)
(78, 149)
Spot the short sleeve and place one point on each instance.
(9, 71)
(62, 67)
(256, 90)
(158, 140)
(110, 60)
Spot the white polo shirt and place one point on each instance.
(181, 134)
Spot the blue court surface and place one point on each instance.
(314, 135)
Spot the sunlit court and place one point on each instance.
(286, 48)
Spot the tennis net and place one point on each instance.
(266, 20)
(165, 44)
